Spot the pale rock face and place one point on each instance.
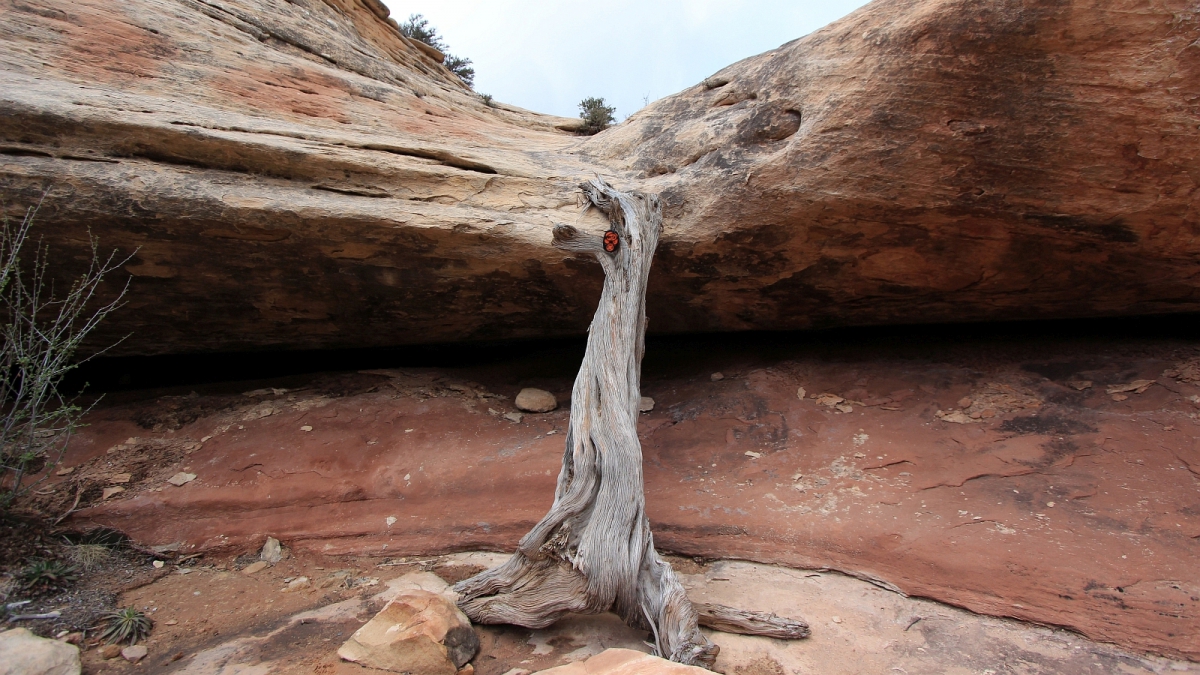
(535, 400)
(417, 632)
(624, 662)
(23, 653)
(918, 160)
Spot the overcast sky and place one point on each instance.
(548, 55)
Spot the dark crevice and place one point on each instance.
(23, 152)
(437, 155)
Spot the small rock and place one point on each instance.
(646, 404)
(306, 428)
(254, 568)
(180, 479)
(134, 653)
(272, 551)
(1079, 385)
(965, 402)
(108, 492)
(75, 638)
(800, 393)
(23, 652)
(467, 670)
(109, 651)
(518, 671)
(158, 564)
(717, 377)
(120, 478)
(752, 455)
(297, 584)
(172, 622)
(513, 417)
(1137, 387)
(829, 400)
(417, 632)
(63, 471)
(844, 408)
(1119, 397)
(535, 400)
(836, 619)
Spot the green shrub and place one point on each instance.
(126, 625)
(596, 116)
(47, 575)
(417, 28)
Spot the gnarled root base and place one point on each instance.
(536, 593)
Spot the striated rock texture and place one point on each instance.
(1063, 506)
(298, 175)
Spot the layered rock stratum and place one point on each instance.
(298, 175)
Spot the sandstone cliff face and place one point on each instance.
(298, 175)
(934, 161)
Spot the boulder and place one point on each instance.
(416, 632)
(535, 400)
(313, 180)
(23, 653)
(624, 662)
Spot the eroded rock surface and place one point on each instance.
(298, 175)
(1064, 507)
(416, 632)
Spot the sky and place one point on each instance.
(548, 55)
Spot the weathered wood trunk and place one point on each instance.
(593, 550)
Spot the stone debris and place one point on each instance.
(645, 404)
(272, 551)
(417, 632)
(108, 492)
(271, 391)
(254, 568)
(1185, 371)
(134, 653)
(828, 400)
(182, 478)
(1135, 387)
(296, 584)
(23, 653)
(624, 662)
(109, 651)
(800, 392)
(515, 417)
(988, 401)
(120, 478)
(306, 428)
(158, 564)
(1079, 385)
(63, 471)
(752, 455)
(717, 377)
(535, 400)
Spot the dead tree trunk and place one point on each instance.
(593, 551)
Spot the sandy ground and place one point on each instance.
(216, 620)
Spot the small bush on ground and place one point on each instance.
(41, 331)
(596, 116)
